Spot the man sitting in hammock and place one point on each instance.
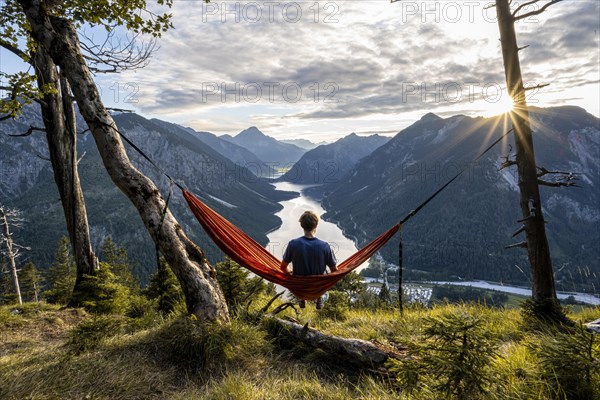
(309, 255)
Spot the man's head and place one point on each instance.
(309, 221)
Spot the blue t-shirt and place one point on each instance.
(309, 256)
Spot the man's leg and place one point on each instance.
(320, 303)
(302, 303)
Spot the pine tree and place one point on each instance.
(351, 284)
(31, 282)
(7, 294)
(61, 275)
(103, 293)
(165, 288)
(236, 284)
(384, 294)
(118, 260)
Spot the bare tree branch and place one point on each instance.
(564, 179)
(536, 12)
(541, 85)
(13, 49)
(114, 54)
(518, 231)
(557, 183)
(119, 109)
(522, 6)
(517, 245)
(507, 160)
(266, 308)
(29, 131)
(507, 163)
(544, 171)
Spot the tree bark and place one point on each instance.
(58, 113)
(542, 277)
(10, 253)
(196, 276)
(358, 352)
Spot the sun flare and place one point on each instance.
(502, 105)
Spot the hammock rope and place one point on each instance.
(251, 255)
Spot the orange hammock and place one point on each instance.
(251, 255)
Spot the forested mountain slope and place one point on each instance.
(463, 232)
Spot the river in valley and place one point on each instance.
(344, 247)
(290, 227)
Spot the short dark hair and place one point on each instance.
(309, 220)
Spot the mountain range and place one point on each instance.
(463, 232)
(329, 163)
(26, 182)
(266, 148)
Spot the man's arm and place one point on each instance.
(331, 262)
(283, 267)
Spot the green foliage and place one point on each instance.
(236, 284)
(453, 359)
(92, 332)
(118, 260)
(102, 293)
(185, 359)
(541, 314)
(61, 275)
(367, 300)
(164, 288)
(374, 269)
(210, 347)
(134, 15)
(7, 293)
(384, 294)
(570, 363)
(352, 284)
(336, 306)
(30, 281)
(458, 294)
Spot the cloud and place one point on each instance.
(371, 51)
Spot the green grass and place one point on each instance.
(180, 358)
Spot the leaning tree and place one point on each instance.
(51, 27)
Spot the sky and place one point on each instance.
(323, 69)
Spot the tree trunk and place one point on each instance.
(197, 278)
(358, 352)
(58, 113)
(10, 253)
(542, 277)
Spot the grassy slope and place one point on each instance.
(173, 360)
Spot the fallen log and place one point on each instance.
(361, 353)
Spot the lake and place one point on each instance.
(290, 227)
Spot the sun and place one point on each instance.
(498, 106)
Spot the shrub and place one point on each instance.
(102, 294)
(61, 275)
(453, 359)
(336, 306)
(164, 289)
(541, 314)
(570, 363)
(237, 285)
(210, 347)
